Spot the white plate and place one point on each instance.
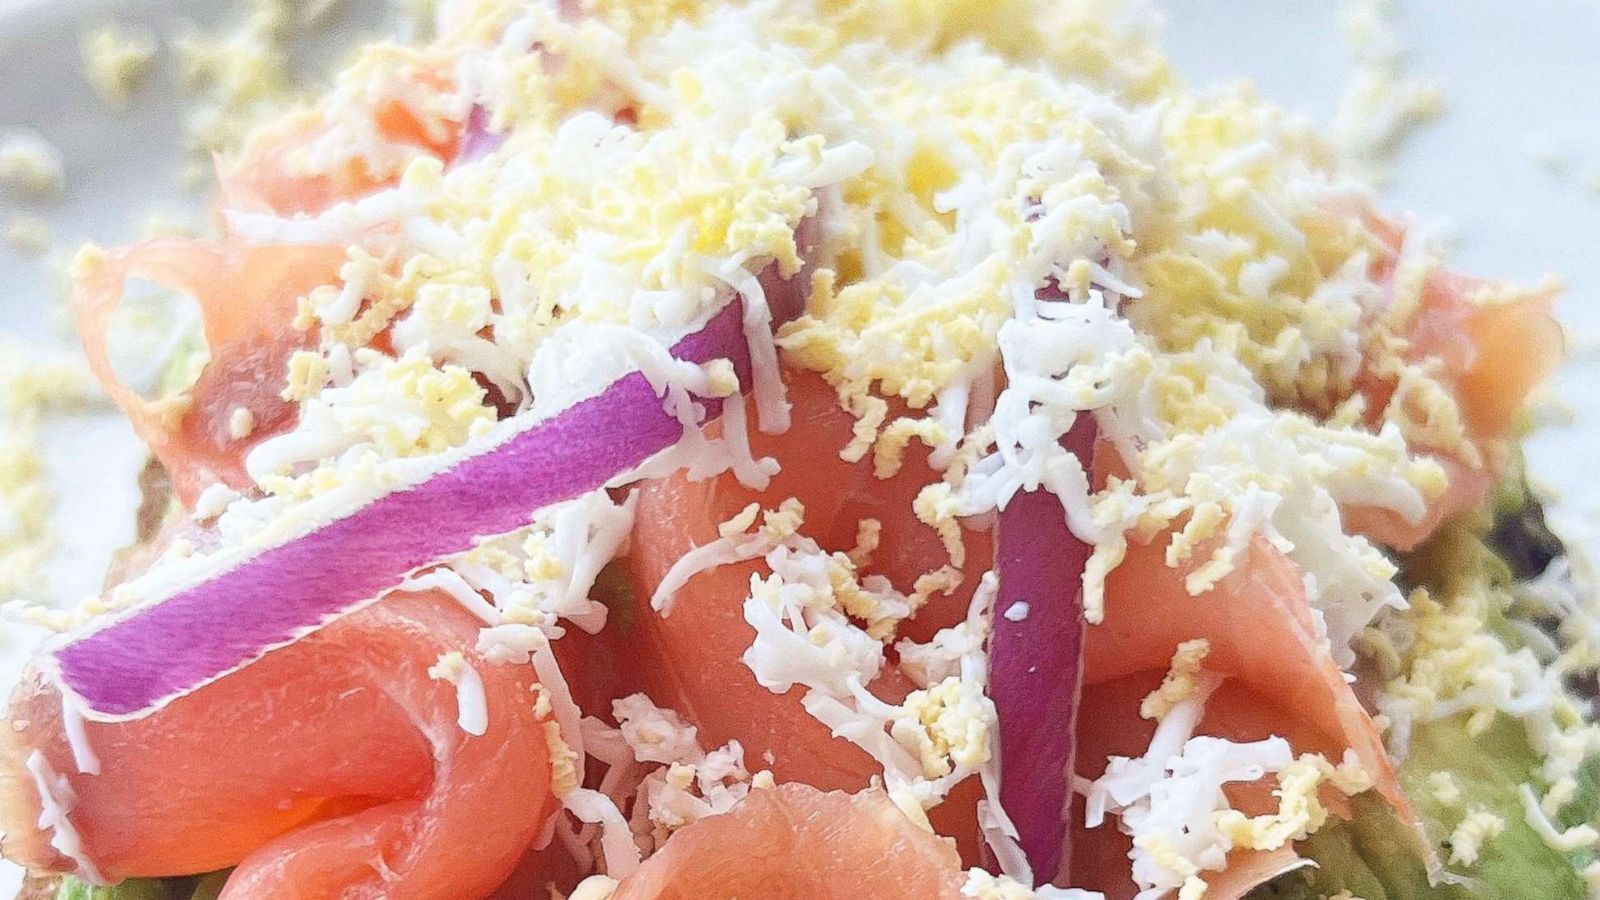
(1510, 71)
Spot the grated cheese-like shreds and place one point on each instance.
(395, 408)
(1453, 664)
(471, 705)
(686, 783)
(736, 544)
(658, 776)
(939, 735)
(988, 886)
(1181, 681)
(1442, 786)
(1201, 439)
(238, 75)
(1468, 837)
(526, 644)
(83, 755)
(620, 853)
(1170, 800)
(56, 799)
(1578, 837)
(1300, 810)
(595, 887)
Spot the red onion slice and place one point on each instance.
(477, 141)
(1036, 663)
(132, 664)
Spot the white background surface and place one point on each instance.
(1512, 72)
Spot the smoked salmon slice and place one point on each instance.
(694, 653)
(794, 841)
(1260, 628)
(1280, 679)
(271, 173)
(247, 296)
(265, 179)
(1493, 348)
(690, 662)
(334, 767)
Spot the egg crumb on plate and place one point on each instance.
(116, 61)
(28, 234)
(31, 166)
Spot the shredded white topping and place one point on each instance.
(450, 582)
(1171, 799)
(704, 558)
(1562, 841)
(988, 886)
(681, 782)
(595, 808)
(56, 798)
(472, 707)
(939, 735)
(83, 755)
(523, 644)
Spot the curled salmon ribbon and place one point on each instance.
(333, 767)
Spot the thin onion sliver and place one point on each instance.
(132, 664)
(1036, 663)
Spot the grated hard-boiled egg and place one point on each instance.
(116, 60)
(31, 166)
